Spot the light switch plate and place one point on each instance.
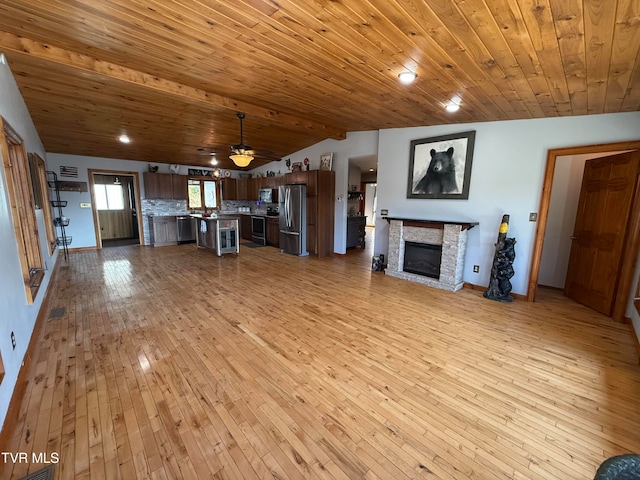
(533, 217)
(384, 211)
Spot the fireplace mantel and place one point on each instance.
(451, 234)
(415, 222)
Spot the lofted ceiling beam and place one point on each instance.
(43, 51)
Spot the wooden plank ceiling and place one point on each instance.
(172, 74)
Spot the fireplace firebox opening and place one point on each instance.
(422, 259)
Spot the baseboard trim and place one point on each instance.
(28, 362)
(81, 249)
(482, 288)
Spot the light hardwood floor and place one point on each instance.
(174, 363)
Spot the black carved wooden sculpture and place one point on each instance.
(502, 270)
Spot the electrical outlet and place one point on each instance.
(13, 340)
(476, 268)
(533, 217)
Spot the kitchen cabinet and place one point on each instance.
(165, 186)
(179, 186)
(356, 230)
(273, 231)
(253, 185)
(245, 227)
(321, 187)
(163, 230)
(228, 190)
(242, 186)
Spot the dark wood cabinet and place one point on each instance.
(179, 186)
(273, 231)
(356, 231)
(324, 181)
(245, 227)
(228, 190)
(242, 185)
(164, 186)
(321, 187)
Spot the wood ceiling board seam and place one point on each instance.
(569, 26)
(514, 30)
(477, 56)
(427, 64)
(54, 54)
(329, 30)
(626, 38)
(599, 43)
(439, 40)
(423, 92)
(539, 21)
(490, 35)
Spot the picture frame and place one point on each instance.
(326, 160)
(296, 167)
(440, 167)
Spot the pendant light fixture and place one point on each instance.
(241, 155)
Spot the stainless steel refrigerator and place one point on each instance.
(292, 202)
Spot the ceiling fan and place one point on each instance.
(242, 154)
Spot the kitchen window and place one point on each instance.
(202, 194)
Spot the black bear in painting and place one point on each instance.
(440, 176)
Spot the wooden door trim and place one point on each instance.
(633, 240)
(94, 211)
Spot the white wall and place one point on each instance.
(507, 176)
(17, 316)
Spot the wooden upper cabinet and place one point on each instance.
(242, 185)
(253, 185)
(228, 190)
(179, 186)
(312, 182)
(157, 185)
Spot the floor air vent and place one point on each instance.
(45, 473)
(57, 312)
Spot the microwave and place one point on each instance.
(268, 195)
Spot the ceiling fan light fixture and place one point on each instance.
(407, 77)
(241, 159)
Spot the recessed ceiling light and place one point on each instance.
(453, 105)
(214, 161)
(407, 77)
(124, 139)
(371, 170)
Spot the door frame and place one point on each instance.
(632, 243)
(136, 186)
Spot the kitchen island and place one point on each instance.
(219, 233)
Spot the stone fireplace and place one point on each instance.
(415, 246)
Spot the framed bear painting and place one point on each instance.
(440, 167)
